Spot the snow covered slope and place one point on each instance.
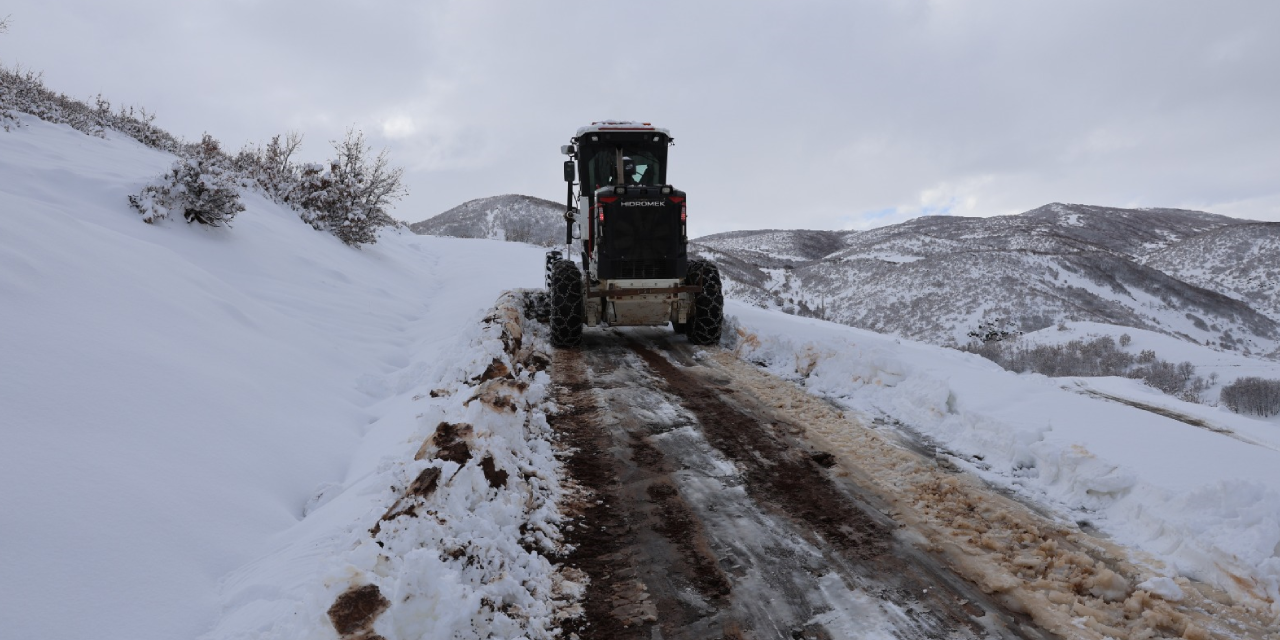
(936, 278)
(1242, 261)
(1217, 366)
(201, 424)
(514, 218)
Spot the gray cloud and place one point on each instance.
(803, 114)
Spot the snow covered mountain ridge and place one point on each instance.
(510, 217)
(1202, 277)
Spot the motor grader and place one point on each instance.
(635, 269)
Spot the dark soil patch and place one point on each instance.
(678, 523)
(645, 455)
(777, 473)
(425, 484)
(823, 459)
(496, 369)
(497, 477)
(354, 612)
(784, 473)
(601, 535)
(450, 444)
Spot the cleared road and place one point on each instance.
(707, 514)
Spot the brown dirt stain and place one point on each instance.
(355, 611)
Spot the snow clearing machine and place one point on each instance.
(635, 267)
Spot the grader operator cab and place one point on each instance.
(635, 267)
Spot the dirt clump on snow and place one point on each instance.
(1070, 583)
(355, 611)
(496, 369)
(425, 484)
(450, 442)
(497, 478)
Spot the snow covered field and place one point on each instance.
(213, 433)
(1203, 503)
(1228, 366)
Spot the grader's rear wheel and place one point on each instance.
(708, 305)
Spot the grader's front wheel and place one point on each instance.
(567, 309)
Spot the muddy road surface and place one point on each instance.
(706, 513)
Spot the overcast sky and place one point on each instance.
(799, 114)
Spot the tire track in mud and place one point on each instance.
(633, 536)
(786, 474)
(777, 471)
(717, 521)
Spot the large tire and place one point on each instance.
(552, 258)
(568, 311)
(708, 304)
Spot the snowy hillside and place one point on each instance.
(1242, 261)
(203, 424)
(936, 278)
(514, 218)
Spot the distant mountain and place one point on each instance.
(936, 278)
(510, 217)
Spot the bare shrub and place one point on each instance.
(1252, 395)
(271, 167)
(1160, 374)
(519, 230)
(1098, 357)
(24, 92)
(997, 330)
(351, 197)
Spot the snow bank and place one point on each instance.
(182, 403)
(1204, 503)
(444, 516)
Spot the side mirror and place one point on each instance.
(569, 171)
(577, 231)
(566, 149)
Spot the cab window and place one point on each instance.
(640, 167)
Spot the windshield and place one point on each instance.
(636, 164)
